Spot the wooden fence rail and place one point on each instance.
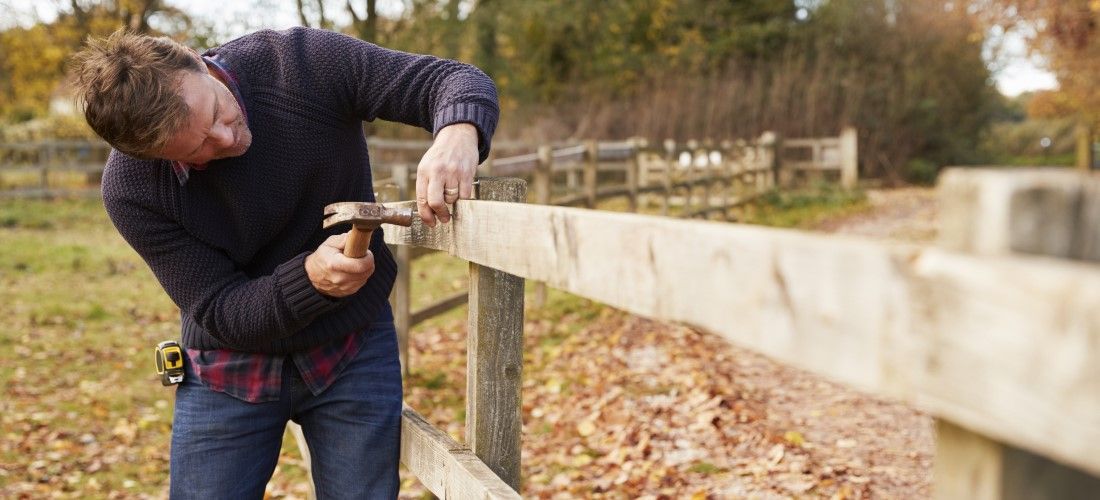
(713, 181)
(40, 159)
(1003, 347)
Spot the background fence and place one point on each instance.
(693, 179)
(51, 168)
(74, 167)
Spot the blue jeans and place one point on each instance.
(223, 447)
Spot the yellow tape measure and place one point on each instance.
(169, 362)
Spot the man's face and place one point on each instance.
(216, 128)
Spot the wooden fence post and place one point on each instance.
(670, 159)
(1083, 136)
(769, 145)
(849, 158)
(737, 181)
(632, 166)
(725, 169)
(1045, 212)
(495, 355)
(402, 290)
(543, 175)
(708, 178)
(692, 176)
(572, 183)
(46, 164)
(591, 172)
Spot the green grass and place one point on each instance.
(81, 313)
(705, 468)
(804, 208)
(56, 179)
(1064, 160)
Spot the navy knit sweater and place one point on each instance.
(229, 245)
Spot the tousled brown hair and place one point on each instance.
(128, 85)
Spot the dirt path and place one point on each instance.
(907, 214)
(617, 406)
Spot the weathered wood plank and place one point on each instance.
(494, 355)
(1050, 211)
(612, 191)
(401, 296)
(446, 468)
(1045, 212)
(969, 466)
(571, 200)
(1020, 363)
(811, 165)
(849, 158)
(438, 307)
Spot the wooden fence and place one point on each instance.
(813, 157)
(1001, 345)
(677, 166)
(38, 160)
(691, 179)
(994, 331)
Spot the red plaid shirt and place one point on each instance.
(256, 377)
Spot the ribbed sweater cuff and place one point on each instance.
(482, 117)
(303, 300)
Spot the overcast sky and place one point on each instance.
(1017, 73)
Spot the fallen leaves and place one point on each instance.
(620, 407)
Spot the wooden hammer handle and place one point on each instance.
(358, 242)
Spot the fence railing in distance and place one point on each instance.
(701, 179)
(814, 156)
(648, 168)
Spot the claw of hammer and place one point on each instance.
(364, 218)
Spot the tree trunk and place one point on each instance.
(1084, 145)
(302, 13)
(367, 26)
(485, 19)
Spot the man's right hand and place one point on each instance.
(334, 274)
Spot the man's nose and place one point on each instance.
(222, 135)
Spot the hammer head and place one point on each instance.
(365, 215)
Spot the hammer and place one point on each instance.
(364, 218)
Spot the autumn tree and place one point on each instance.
(33, 59)
(908, 74)
(1067, 34)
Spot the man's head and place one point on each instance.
(154, 98)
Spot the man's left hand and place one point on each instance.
(446, 172)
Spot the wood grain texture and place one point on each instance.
(438, 307)
(446, 468)
(1017, 359)
(1051, 211)
(986, 212)
(494, 350)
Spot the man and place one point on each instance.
(221, 167)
